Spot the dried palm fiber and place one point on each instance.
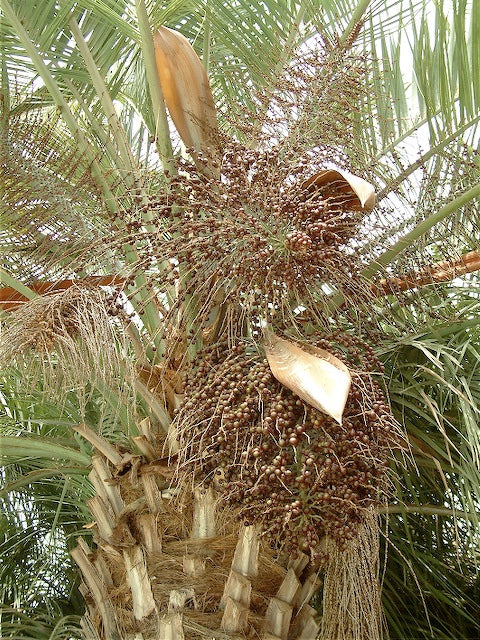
(352, 608)
(70, 341)
(197, 568)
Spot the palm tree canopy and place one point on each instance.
(389, 91)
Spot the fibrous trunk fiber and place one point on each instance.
(169, 565)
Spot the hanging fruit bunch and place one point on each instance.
(259, 225)
(300, 471)
(267, 232)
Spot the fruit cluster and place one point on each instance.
(257, 233)
(282, 463)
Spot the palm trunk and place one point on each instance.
(178, 566)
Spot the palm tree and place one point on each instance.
(238, 396)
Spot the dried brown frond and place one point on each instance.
(68, 339)
(436, 272)
(11, 299)
(445, 251)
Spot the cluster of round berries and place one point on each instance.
(282, 463)
(258, 233)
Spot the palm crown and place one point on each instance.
(165, 291)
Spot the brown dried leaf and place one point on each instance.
(321, 380)
(357, 192)
(186, 89)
